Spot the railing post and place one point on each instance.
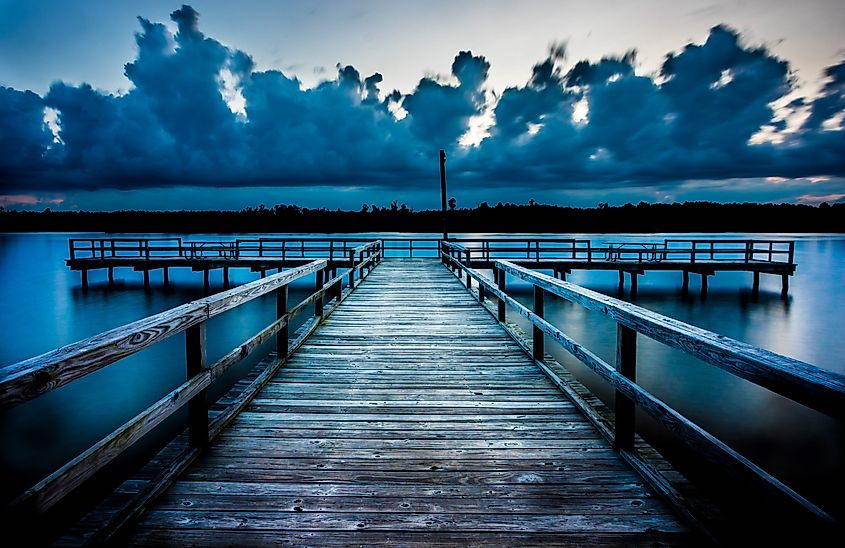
(692, 253)
(318, 304)
(537, 340)
(281, 310)
(502, 306)
(626, 365)
(469, 278)
(198, 406)
(791, 251)
(351, 269)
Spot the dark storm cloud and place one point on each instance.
(198, 113)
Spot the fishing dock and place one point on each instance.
(409, 408)
(561, 256)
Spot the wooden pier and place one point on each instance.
(559, 255)
(409, 410)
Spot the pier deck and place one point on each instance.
(408, 409)
(409, 417)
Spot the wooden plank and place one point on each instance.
(412, 427)
(254, 538)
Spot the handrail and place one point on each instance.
(537, 249)
(817, 388)
(692, 252)
(802, 382)
(41, 374)
(33, 377)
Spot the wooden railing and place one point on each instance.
(485, 249)
(582, 250)
(245, 248)
(36, 376)
(804, 383)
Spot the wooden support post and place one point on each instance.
(469, 278)
(755, 285)
(318, 304)
(537, 341)
(563, 275)
(146, 278)
(205, 282)
(84, 273)
(634, 276)
(198, 405)
(281, 310)
(111, 276)
(621, 288)
(685, 286)
(338, 287)
(704, 284)
(482, 293)
(225, 277)
(263, 273)
(500, 282)
(626, 365)
(784, 285)
(166, 273)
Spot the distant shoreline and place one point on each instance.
(500, 218)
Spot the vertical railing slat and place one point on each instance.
(626, 365)
(537, 340)
(195, 357)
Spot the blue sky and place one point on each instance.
(335, 104)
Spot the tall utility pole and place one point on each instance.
(443, 191)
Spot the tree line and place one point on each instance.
(499, 218)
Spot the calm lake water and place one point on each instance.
(43, 307)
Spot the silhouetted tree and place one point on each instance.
(453, 203)
(505, 217)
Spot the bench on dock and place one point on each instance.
(408, 410)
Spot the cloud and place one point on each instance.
(811, 199)
(199, 113)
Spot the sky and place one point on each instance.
(158, 105)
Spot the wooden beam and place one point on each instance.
(626, 365)
(281, 311)
(30, 378)
(537, 337)
(807, 384)
(502, 305)
(196, 365)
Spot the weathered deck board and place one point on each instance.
(387, 427)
